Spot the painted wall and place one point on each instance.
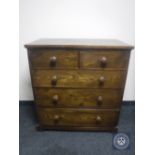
(74, 19)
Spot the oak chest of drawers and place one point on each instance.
(78, 84)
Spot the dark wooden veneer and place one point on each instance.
(78, 84)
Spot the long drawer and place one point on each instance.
(86, 98)
(77, 117)
(78, 78)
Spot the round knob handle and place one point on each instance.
(54, 80)
(101, 80)
(55, 99)
(103, 61)
(98, 119)
(56, 118)
(53, 60)
(99, 100)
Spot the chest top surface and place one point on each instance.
(79, 43)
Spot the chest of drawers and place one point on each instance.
(78, 84)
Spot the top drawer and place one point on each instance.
(50, 58)
(117, 59)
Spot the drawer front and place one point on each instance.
(104, 59)
(77, 117)
(50, 58)
(78, 78)
(92, 98)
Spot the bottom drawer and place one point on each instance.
(77, 117)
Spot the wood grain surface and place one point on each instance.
(78, 78)
(65, 58)
(78, 98)
(79, 44)
(78, 84)
(77, 117)
(116, 59)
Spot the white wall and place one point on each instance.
(74, 19)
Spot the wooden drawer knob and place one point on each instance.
(99, 100)
(101, 80)
(56, 118)
(53, 60)
(98, 119)
(103, 61)
(55, 99)
(54, 80)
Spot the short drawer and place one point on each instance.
(104, 59)
(78, 78)
(50, 58)
(76, 98)
(77, 117)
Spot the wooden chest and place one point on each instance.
(78, 84)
